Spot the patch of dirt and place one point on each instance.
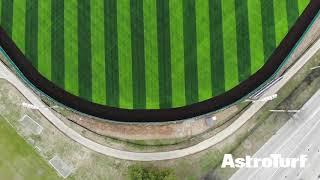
(152, 131)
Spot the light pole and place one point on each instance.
(31, 106)
(264, 99)
(285, 111)
(289, 112)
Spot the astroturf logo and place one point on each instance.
(274, 161)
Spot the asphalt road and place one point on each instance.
(154, 156)
(299, 136)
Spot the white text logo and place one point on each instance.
(274, 161)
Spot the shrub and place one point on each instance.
(150, 173)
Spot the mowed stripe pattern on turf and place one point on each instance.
(148, 54)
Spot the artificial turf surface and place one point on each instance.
(148, 54)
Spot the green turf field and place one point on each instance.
(148, 54)
(18, 160)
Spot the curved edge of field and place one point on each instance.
(170, 114)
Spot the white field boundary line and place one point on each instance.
(155, 156)
(58, 170)
(32, 121)
(8, 122)
(21, 134)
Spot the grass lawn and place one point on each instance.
(18, 160)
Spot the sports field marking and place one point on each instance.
(84, 50)
(38, 149)
(111, 52)
(292, 12)
(0, 10)
(203, 50)
(16, 148)
(98, 52)
(256, 35)
(71, 47)
(302, 4)
(31, 125)
(44, 38)
(216, 47)
(8, 121)
(31, 32)
(19, 24)
(7, 15)
(124, 49)
(268, 27)
(151, 53)
(177, 53)
(164, 53)
(190, 51)
(243, 39)
(138, 62)
(281, 23)
(57, 46)
(229, 44)
(60, 166)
